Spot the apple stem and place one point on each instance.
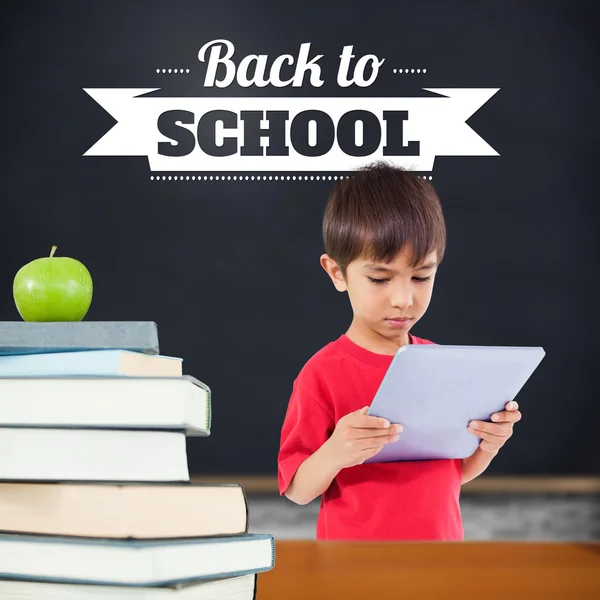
(53, 251)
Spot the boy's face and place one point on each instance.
(381, 293)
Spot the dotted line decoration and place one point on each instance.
(410, 71)
(172, 70)
(254, 177)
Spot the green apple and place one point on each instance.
(53, 289)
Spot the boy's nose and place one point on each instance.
(402, 298)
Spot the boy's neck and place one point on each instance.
(375, 342)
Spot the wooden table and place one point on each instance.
(310, 570)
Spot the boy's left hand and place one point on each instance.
(494, 435)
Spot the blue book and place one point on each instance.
(97, 363)
(20, 337)
(133, 562)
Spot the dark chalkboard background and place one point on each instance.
(230, 270)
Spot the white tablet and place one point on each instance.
(435, 391)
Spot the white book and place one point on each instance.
(181, 403)
(92, 455)
(133, 562)
(230, 588)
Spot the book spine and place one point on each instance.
(207, 389)
(18, 337)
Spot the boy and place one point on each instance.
(384, 237)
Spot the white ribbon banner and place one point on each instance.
(436, 123)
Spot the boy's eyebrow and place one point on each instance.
(373, 267)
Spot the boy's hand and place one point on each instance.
(358, 436)
(494, 435)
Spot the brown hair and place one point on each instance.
(378, 210)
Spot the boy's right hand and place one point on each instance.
(358, 436)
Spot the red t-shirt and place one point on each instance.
(413, 500)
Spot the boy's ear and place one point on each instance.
(334, 272)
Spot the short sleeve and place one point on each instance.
(307, 425)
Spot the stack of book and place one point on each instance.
(95, 494)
